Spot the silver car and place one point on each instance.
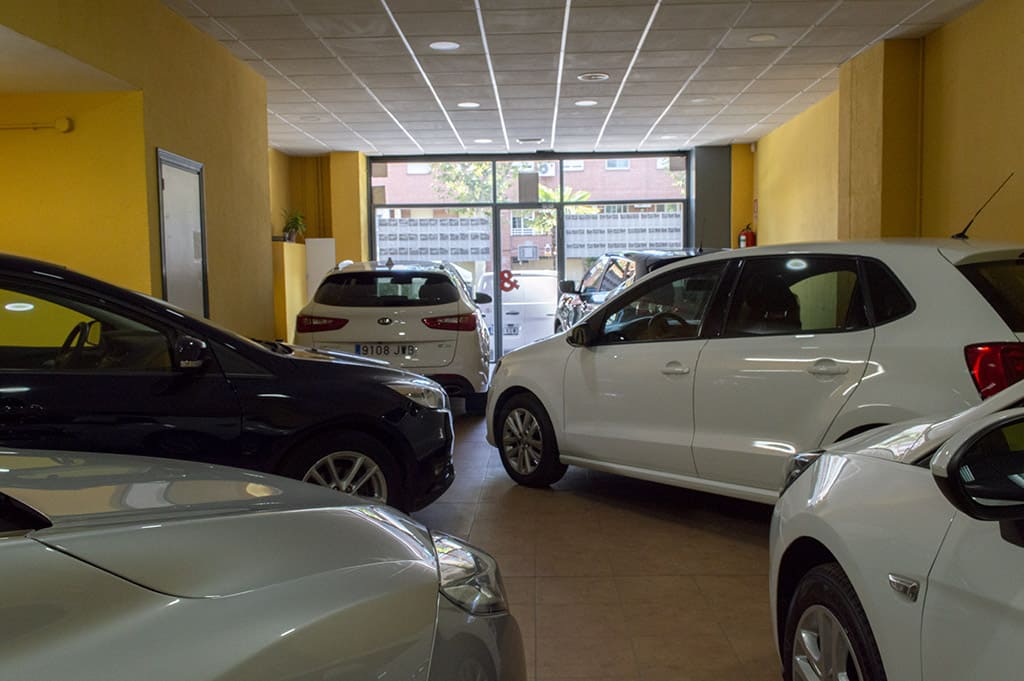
(118, 567)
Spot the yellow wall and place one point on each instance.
(45, 325)
(742, 210)
(310, 189)
(77, 198)
(349, 206)
(199, 102)
(289, 287)
(973, 138)
(796, 170)
(280, 189)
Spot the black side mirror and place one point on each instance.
(189, 353)
(581, 336)
(981, 469)
(482, 299)
(567, 286)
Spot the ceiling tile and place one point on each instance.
(575, 88)
(802, 13)
(453, 64)
(366, 47)
(331, 6)
(315, 67)
(818, 55)
(609, 19)
(242, 8)
(913, 30)
(871, 12)
(596, 61)
(798, 71)
(279, 83)
(648, 75)
(625, 41)
(463, 79)
(784, 36)
(523, 21)
(239, 50)
(829, 36)
(463, 94)
(325, 82)
(438, 25)
(469, 44)
(380, 65)
(267, 28)
(393, 80)
(350, 25)
(284, 96)
(789, 85)
(671, 58)
(538, 78)
(693, 39)
(289, 49)
(748, 56)
(649, 88)
(523, 62)
(728, 73)
(715, 87)
(717, 15)
(349, 95)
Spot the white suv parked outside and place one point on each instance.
(418, 316)
(712, 372)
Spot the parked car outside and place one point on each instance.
(883, 569)
(122, 568)
(414, 315)
(85, 365)
(610, 273)
(526, 310)
(711, 372)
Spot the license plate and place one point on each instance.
(385, 350)
(511, 329)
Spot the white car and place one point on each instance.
(417, 316)
(898, 554)
(712, 372)
(527, 311)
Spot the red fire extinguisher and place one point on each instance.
(748, 237)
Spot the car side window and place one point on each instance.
(619, 269)
(672, 308)
(889, 300)
(42, 331)
(796, 294)
(593, 276)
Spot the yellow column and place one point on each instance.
(349, 218)
(742, 210)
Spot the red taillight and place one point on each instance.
(309, 324)
(995, 366)
(455, 322)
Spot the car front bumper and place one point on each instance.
(487, 647)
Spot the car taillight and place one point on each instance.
(310, 324)
(995, 366)
(455, 322)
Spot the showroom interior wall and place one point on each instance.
(742, 209)
(78, 198)
(197, 101)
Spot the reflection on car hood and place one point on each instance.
(195, 530)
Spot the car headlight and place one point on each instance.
(423, 392)
(798, 463)
(469, 577)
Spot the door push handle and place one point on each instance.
(675, 369)
(828, 367)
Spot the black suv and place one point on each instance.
(611, 271)
(88, 366)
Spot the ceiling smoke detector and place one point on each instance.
(593, 76)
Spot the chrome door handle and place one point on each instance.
(674, 369)
(828, 367)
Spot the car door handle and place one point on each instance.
(512, 313)
(674, 369)
(828, 367)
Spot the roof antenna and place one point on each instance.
(962, 234)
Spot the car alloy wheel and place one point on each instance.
(821, 649)
(522, 441)
(352, 473)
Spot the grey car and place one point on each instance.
(121, 567)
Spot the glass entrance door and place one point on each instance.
(525, 289)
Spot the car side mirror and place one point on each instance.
(981, 469)
(567, 286)
(189, 353)
(482, 299)
(581, 336)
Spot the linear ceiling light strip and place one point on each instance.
(766, 69)
(426, 78)
(629, 70)
(490, 69)
(561, 67)
(834, 69)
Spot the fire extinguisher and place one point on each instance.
(748, 237)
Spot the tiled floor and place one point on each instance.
(618, 579)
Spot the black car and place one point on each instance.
(611, 271)
(88, 366)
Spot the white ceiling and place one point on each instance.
(359, 74)
(29, 66)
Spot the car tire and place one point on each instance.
(476, 404)
(526, 442)
(349, 461)
(826, 606)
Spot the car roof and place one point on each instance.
(400, 265)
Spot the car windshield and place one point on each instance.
(386, 289)
(1001, 282)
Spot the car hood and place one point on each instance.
(200, 531)
(909, 441)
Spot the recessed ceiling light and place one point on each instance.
(529, 140)
(445, 45)
(701, 100)
(482, 140)
(669, 137)
(586, 102)
(309, 119)
(762, 38)
(468, 105)
(592, 76)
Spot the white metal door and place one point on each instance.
(183, 243)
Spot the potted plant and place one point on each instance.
(294, 225)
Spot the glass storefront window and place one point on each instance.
(397, 182)
(626, 179)
(510, 186)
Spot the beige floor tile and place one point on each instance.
(569, 590)
(581, 620)
(584, 658)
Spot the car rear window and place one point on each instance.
(1001, 283)
(386, 289)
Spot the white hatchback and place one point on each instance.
(418, 316)
(712, 372)
(898, 554)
